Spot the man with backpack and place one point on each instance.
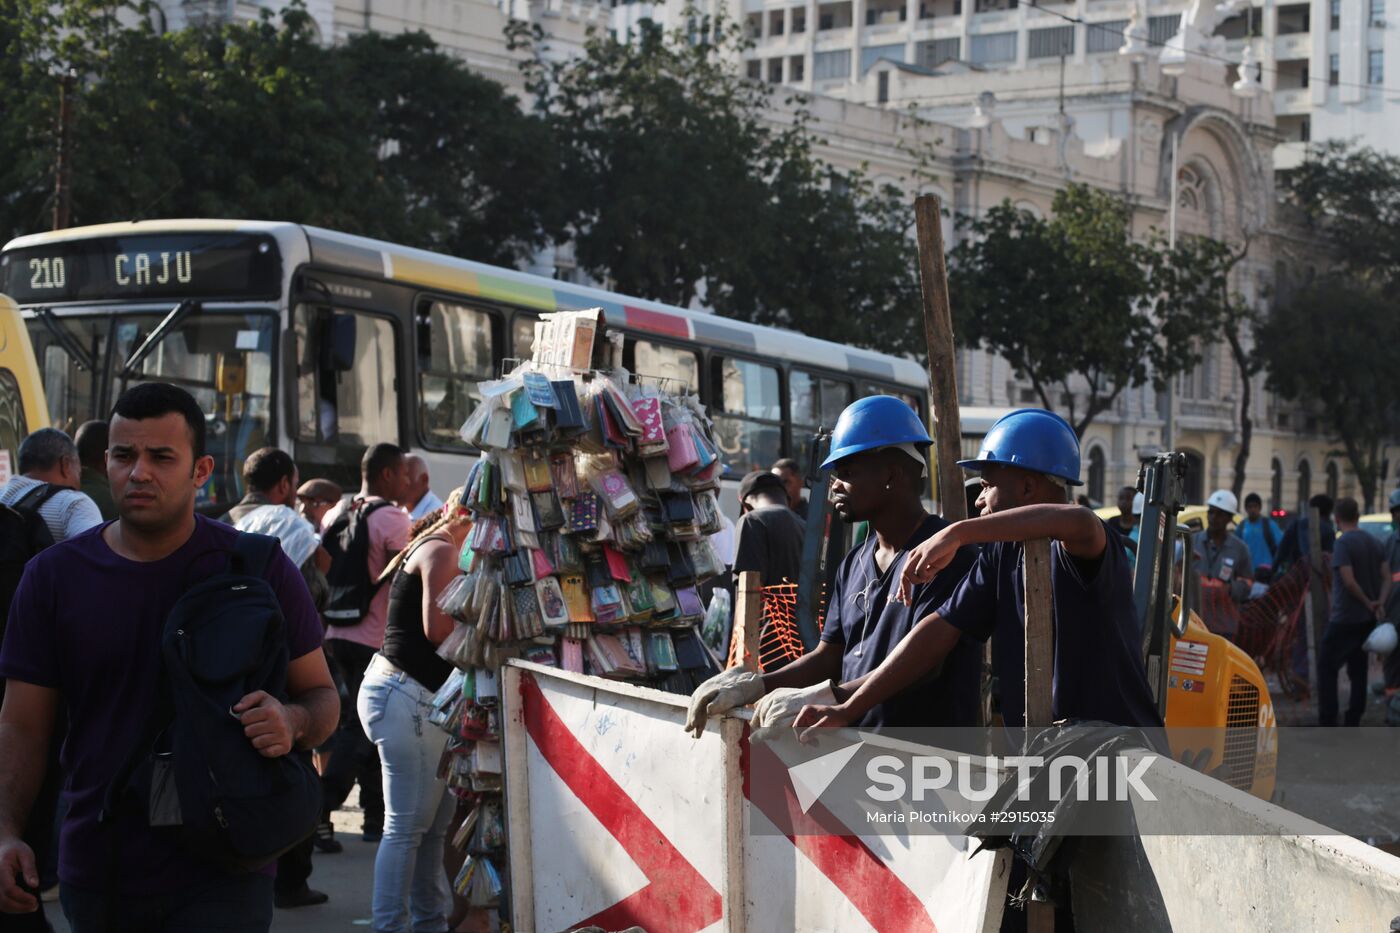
(362, 534)
(48, 481)
(187, 656)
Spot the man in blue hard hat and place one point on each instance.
(879, 470)
(1028, 460)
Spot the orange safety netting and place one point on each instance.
(1266, 628)
(779, 641)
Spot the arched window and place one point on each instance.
(1097, 468)
(1304, 485)
(1333, 479)
(1276, 486)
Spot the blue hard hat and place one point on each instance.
(1032, 439)
(875, 422)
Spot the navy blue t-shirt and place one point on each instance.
(87, 622)
(1098, 659)
(868, 625)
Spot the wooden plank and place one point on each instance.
(735, 881)
(516, 742)
(748, 621)
(1040, 633)
(1040, 666)
(942, 362)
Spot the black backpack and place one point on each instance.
(195, 775)
(347, 542)
(23, 533)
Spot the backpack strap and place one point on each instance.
(252, 553)
(36, 497)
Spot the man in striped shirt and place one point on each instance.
(48, 456)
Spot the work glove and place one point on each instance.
(780, 707)
(720, 694)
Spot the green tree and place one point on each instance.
(685, 180)
(380, 136)
(1068, 298)
(1193, 281)
(1332, 345)
(1351, 198)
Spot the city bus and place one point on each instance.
(323, 343)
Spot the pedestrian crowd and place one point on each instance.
(121, 680)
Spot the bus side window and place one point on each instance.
(748, 414)
(815, 402)
(455, 347)
(347, 380)
(522, 337)
(678, 368)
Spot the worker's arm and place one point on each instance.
(921, 651)
(26, 725)
(812, 668)
(1386, 585)
(1079, 531)
(1349, 582)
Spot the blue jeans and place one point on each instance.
(236, 904)
(409, 877)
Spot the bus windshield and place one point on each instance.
(223, 359)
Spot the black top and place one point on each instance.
(769, 540)
(405, 644)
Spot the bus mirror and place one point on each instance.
(340, 343)
(231, 374)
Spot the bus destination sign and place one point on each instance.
(179, 265)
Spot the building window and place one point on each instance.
(799, 19)
(1335, 17)
(1305, 130)
(1051, 42)
(994, 48)
(755, 69)
(932, 54)
(775, 23)
(1375, 66)
(1160, 29)
(1334, 69)
(1304, 485)
(872, 54)
(1333, 480)
(882, 94)
(1377, 12)
(797, 68)
(1097, 469)
(830, 66)
(1276, 486)
(1106, 36)
(775, 71)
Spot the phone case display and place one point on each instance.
(592, 499)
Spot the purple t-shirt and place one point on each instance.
(87, 622)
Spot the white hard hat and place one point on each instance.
(1382, 639)
(1224, 500)
(1138, 500)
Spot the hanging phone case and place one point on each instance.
(576, 599)
(568, 417)
(540, 391)
(523, 412)
(617, 564)
(583, 514)
(564, 474)
(549, 515)
(537, 475)
(551, 598)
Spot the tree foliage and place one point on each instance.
(686, 180)
(381, 136)
(1352, 197)
(1346, 366)
(1074, 297)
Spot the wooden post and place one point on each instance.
(1317, 596)
(748, 621)
(1040, 666)
(942, 363)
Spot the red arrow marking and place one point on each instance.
(678, 899)
(882, 898)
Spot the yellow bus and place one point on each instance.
(22, 405)
(323, 343)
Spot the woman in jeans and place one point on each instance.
(409, 879)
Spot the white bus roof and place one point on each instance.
(356, 255)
